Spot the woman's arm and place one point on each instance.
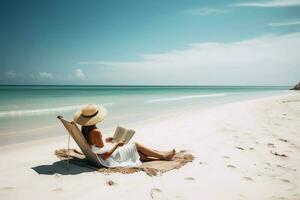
(96, 138)
(106, 155)
(109, 139)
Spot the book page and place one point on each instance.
(119, 134)
(128, 135)
(122, 134)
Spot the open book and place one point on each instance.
(123, 134)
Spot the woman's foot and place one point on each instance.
(169, 155)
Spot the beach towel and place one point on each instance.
(151, 168)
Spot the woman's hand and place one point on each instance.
(120, 144)
(109, 139)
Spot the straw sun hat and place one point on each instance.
(90, 115)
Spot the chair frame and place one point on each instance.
(76, 134)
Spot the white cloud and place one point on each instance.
(12, 74)
(204, 11)
(79, 74)
(288, 23)
(271, 3)
(46, 75)
(267, 59)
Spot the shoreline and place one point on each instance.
(232, 143)
(52, 129)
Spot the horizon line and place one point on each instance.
(132, 85)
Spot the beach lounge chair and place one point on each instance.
(74, 131)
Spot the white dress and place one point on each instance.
(125, 156)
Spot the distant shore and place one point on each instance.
(244, 150)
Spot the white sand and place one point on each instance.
(220, 171)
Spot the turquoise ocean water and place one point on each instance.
(29, 112)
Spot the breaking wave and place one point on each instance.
(185, 97)
(42, 111)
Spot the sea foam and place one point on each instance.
(43, 111)
(185, 97)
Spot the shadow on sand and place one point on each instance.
(75, 166)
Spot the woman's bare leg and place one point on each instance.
(153, 153)
(145, 158)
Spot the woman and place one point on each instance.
(114, 155)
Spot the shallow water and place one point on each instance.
(29, 112)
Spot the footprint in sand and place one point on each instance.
(189, 178)
(56, 190)
(7, 188)
(239, 148)
(283, 140)
(157, 194)
(285, 180)
(286, 167)
(231, 166)
(247, 178)
(271, 145)
(110, 182)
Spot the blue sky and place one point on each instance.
(150, 42)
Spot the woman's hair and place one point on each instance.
(85, 130)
